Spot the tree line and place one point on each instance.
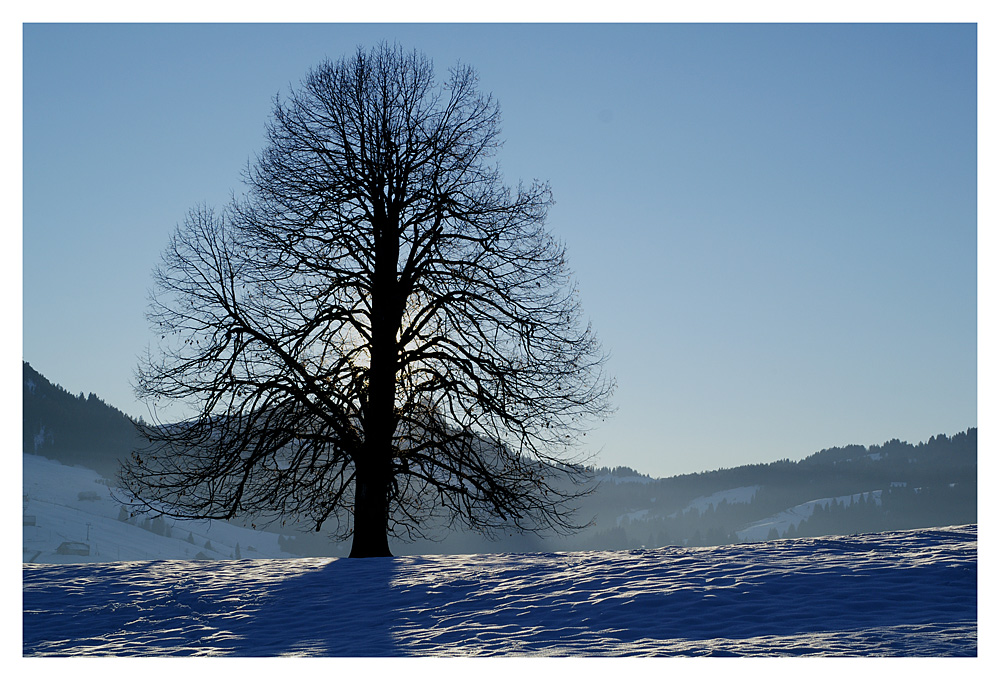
(74, 429)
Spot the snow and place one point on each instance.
(909, 593)
(782, 521)
(55, 505)
(140, 593)
(741, 494)
(39, 438)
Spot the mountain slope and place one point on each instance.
(75, 430)
(844, 490)
(70, 517)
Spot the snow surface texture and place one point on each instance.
(899, 593)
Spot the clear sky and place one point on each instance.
(774, 227)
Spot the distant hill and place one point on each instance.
(71, 517)
(75, 430)
(842, 490)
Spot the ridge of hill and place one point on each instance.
(75, 430)
(841, 490)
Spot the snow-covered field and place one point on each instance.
(907, 593)
(71, 506)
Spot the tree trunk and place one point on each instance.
(371, 514)
(374, 472)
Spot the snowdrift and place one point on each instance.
(898, 593)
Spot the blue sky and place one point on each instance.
(774, 227)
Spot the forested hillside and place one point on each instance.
(75, 430)
(842, 490)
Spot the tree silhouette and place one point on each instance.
(379, 333)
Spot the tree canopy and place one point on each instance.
(379, 332)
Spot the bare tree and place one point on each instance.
(380, 333)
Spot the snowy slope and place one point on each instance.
(899, 593)
(73, 505)
(742, 494)
(782, 521)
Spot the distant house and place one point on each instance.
(88, 496)
(73, 548)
